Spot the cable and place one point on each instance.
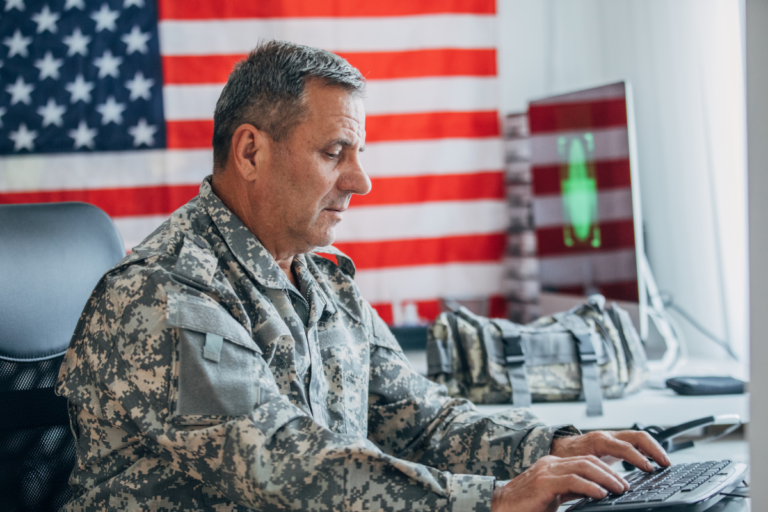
(666, 298)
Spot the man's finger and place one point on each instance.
(626, 451)
(644, 442)
(574, 484)
(593, 469)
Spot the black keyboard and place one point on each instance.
(699, 484)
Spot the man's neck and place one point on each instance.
(234, 198)
(286, 265)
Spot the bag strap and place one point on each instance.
(454, 324)
(590, 377)
(514, 361)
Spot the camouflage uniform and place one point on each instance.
(200, 378)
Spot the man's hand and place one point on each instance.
(552, 481)
(578, 466)
(629, 445)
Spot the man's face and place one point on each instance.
(316, 169)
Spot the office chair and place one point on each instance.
(51, 257)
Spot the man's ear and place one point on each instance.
(249, 145)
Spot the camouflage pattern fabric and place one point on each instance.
(199, 378)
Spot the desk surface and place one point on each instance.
(662, 407)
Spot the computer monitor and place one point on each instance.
(586, 195)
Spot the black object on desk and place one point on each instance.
(706, 385)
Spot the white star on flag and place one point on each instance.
(136, 41)
(108, 64)
(111, 111)
(80, 90)
(143, 133)
(74, 4)
(52, 113)
(77, 43)
(140, 86)
(2, 113)
(17, 45)
(23, 138)
(105, 19)
(20, 91)
(48, 66)
(83, 135)
(137, 3)
(46, 20)
(14, 4)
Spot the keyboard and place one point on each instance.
(693, 487)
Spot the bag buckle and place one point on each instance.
(586, 349)
(513, 350)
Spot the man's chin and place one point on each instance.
(324, 239)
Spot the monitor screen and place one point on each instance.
(585, 212)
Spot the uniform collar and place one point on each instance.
(244, 245)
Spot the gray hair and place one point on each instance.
(266, 90)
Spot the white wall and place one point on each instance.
(684, 60)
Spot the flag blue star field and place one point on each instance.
(79, 79)
(111, 102)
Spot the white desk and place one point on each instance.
(660, 407)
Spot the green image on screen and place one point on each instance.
(578, 186)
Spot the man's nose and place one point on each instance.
(354, 179)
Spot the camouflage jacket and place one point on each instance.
(200, 378)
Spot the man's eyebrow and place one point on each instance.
(344, 142)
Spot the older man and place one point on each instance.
(225, 366)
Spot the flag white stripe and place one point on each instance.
(444, 156)
(611, 205)
(585, 269)
(336, 34)
(135, 229)
(422, 220)
(427, 282)
(407, 96)
(77, 171)
(610, 144)
(379, 223)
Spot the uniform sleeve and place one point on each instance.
(412, 418)
(270, 455)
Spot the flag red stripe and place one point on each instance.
(610, 174)
(116, 202)
(228, 9)
(214, 69)
(164, 199)
(432, 125)
(425, 251)
(577, 116)
(422, 189)
(430, 309)
(614, 235)
(624, 290)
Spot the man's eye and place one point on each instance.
(332, 155)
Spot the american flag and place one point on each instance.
(111, 102)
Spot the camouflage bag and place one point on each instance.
(591, 351)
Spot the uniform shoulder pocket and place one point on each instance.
(200, 315)
(216, 360)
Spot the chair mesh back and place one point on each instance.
(37, 449)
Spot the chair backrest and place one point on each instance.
(51, 257)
